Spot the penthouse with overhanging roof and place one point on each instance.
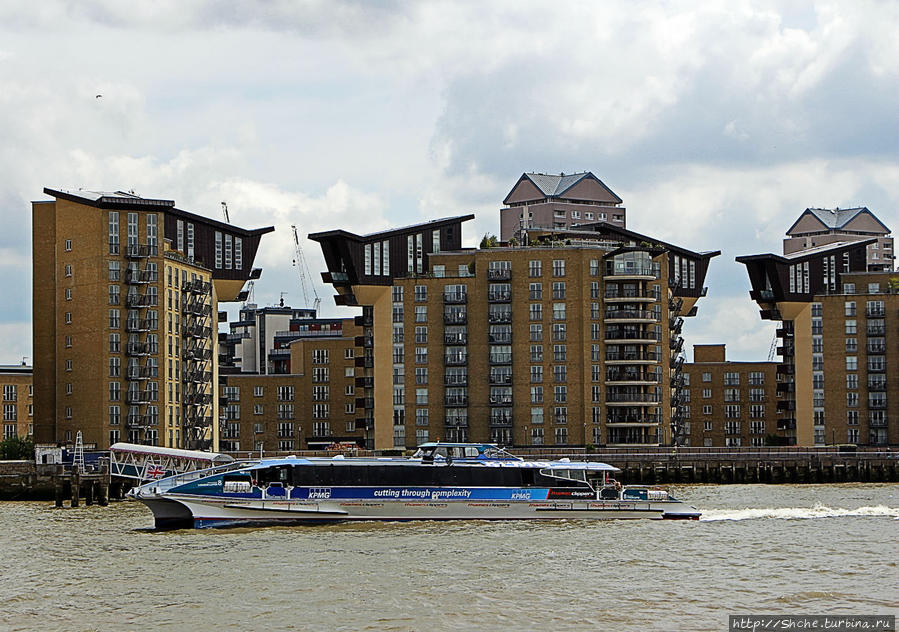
(821, 226)
(550, 201)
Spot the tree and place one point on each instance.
(489, 241)
(17, 449)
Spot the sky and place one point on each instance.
(717, 123)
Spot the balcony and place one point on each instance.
(762, 296)
(195, 331)
(877, 421)
(197, 287)
(365, 382)
(145, 372)
(875, 329)
(141, 251)
(499, 417)
(635, 357)
(138, 349)
(197, 308)
(639, 273)
(786, 405)
(634, 420)
(630, 399)
(500, 358)
(499, 274)
(499, 297)
(676, 324)
(450, 379)
(363, 321)
(676, 344)
(786, 424)
(877, 387)
(141, 277)
(675, 305)
(141, 397)
(197, 354)
(499, 317)
(877, 404)
(455, 338)
(456, 400)
(455, 298)
(455, 318)
(875, 348)
(197, 377)
(456, 422)
(197, 399)
(629, 315)
(501, 379)
(455, 359)
(500, 337)
(613, 377)
(365, 362)
(139, 325)
(141, 300)
(677, 362)
(615, 294)
(637, 337)
(875, 312)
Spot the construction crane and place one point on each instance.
(303, 272)
(225, 212)
(773, 350)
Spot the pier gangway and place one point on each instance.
(144, 463)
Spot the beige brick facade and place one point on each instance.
(18, 400)
(729, 403)
(313, 406)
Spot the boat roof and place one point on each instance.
(457, 462)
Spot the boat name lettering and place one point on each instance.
(433, 494)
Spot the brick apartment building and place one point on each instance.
(18, 400)
(821, 226)
(288, 381)
(125, 298)
(553, 202)
(571, 339)
(728, 403)
(840, 327)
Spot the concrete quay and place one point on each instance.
(741, 465)
(27, 480)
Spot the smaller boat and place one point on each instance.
(442, 481)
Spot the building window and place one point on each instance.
(535, 311)
(558, 267)
(68, 245)
(218, 250)
(285, 393)
(535, 268)
(229, 252)
(68, 318)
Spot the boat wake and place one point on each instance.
(797, 513)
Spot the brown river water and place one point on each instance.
(778, 549)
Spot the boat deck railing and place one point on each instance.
(166, 484)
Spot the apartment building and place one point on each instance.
(18, 400)
(571, 339)
(821, 226)
(125, 298)
(550, 201)
(727, 403)
(304, 396)
(839, 325)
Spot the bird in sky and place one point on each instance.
(98, 96)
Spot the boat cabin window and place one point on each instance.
(635, 494)
(571, 475)
(268, 475)
(237, 484)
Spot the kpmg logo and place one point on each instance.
(321, 493)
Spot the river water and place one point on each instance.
(780, 549)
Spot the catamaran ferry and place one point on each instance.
(442, 481)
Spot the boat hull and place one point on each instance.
(180, 511)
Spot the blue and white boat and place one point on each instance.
(443, 481)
